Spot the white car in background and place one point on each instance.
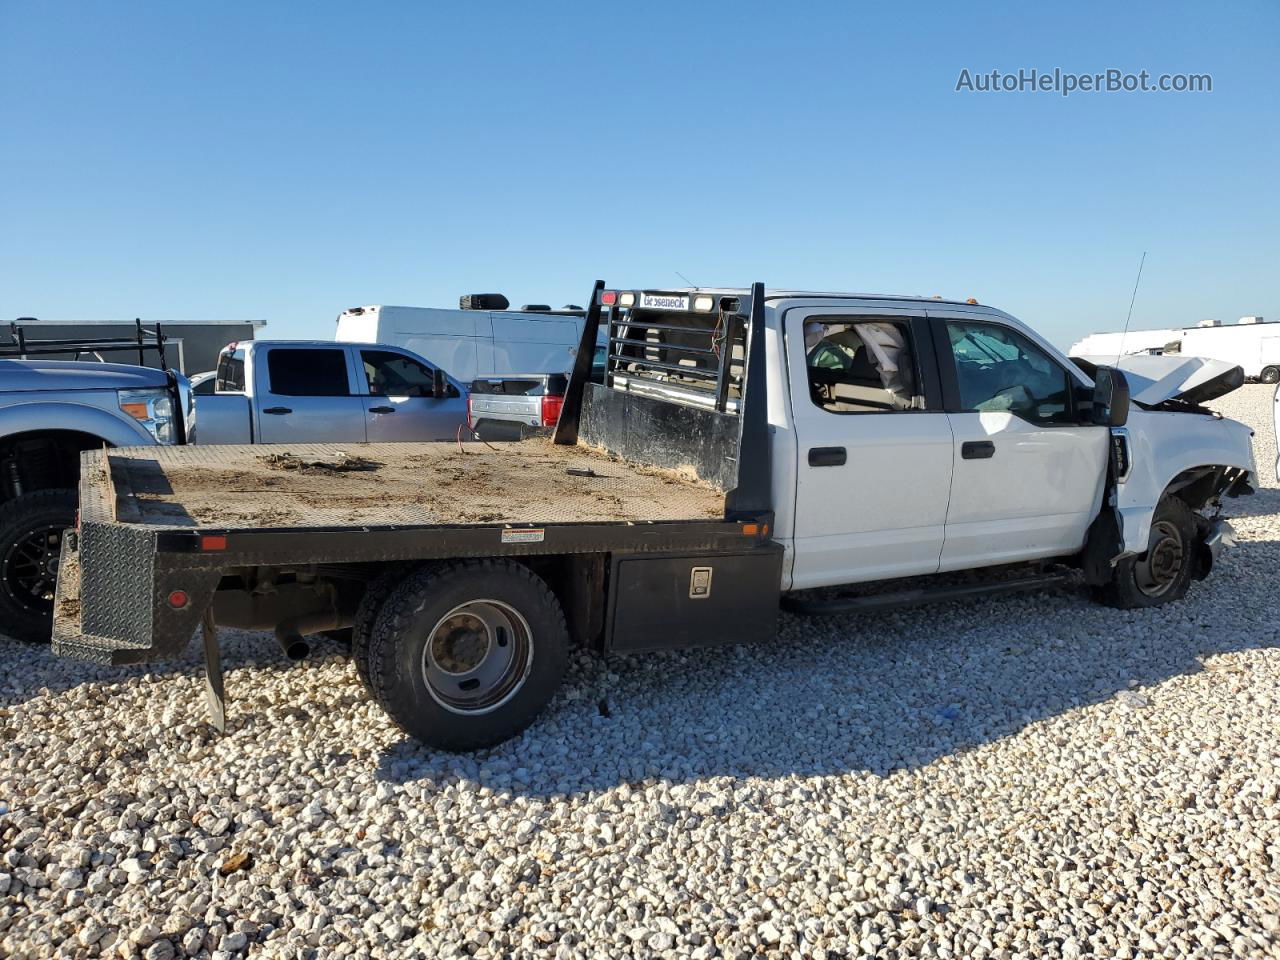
(202, 384)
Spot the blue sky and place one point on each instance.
(284, 161)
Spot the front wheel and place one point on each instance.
(464, 656)
(31, 528)
(1162, 574)
(1270, 375)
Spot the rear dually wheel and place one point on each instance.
(465, 655)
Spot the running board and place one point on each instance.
(918, 596)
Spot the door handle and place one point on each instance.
(977, 450)
(382, 409)
(827, 456)
(277, 411)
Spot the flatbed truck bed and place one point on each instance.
(608, 536)
(297, 486)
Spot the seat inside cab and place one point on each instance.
(860, 367)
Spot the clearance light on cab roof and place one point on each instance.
(627, 300)
(703, 302)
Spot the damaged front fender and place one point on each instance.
(1166, 448)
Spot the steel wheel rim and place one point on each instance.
(1157, 572)
(477, 656)
(30, 567)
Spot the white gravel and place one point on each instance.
(1033, 776)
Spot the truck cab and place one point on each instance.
(913, 436)
(298, 391)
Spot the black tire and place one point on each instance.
(1270, 375)
(1163, 573)
(31, 529)
(375, 595)
(436, 619)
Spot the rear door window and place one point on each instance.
(864, 366)
(308, 372)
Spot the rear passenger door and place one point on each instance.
(874, 454)
(304, 395)
(398, 402)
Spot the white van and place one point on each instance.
(467, 343)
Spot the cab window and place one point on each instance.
(863, 367)
(389, 374)
(1000, 370)
(308, 372)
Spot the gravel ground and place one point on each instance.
(1032, 776)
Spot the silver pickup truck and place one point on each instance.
(51, 411)
(302, 391)
(513, 406)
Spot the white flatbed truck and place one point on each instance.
(745, 448)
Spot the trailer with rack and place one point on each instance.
(744, 449)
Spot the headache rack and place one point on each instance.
(695, 357)
(676, 387)
(23, 347)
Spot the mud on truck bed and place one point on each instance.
(463, 572)
(388, 484)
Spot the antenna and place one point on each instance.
(685, 279)
(1125, 332)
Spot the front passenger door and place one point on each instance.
(1029, 466)
(398, 400)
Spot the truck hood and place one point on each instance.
(1153, 379)
(20, 375)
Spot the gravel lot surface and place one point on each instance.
(1033, 776)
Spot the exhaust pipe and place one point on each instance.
(291, 633)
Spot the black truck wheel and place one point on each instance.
(465, 655)
(1163, 573)
(375, 596)
(31, 528)
(1270, 375)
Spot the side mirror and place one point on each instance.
(440, 386)
(1110, 397)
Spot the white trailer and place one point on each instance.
(1251, 344)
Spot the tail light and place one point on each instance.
(471, 420)
(551, 407)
